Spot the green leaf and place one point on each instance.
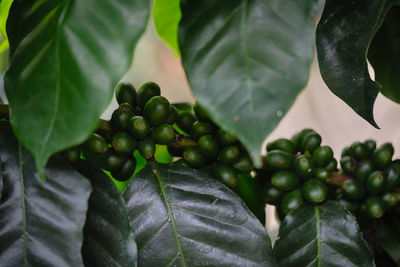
(246, 61)
(326, 235)
(4, 9)
(252, 193)
(384, 54)
(66, 58)
(108, 235)
(181, 217)
(41, 222)
(343, 34)
(166, 16)
(388, 236)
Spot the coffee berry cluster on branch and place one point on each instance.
(295, 171)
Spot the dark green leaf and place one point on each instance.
(1, 183)
(182, 217)
(343, 34)
(41, 222)
(384, 54)
(246, 61)
(66, 58)
(325, 235)
(388, 236)
(108, 236)
(166, 15)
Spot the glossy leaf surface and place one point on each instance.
(41, 223)
(66, 58)
(325, 235)
(108, 236)
(246, 61)
(384, 54)
(181, 217)
(343, 35)
(166, 15)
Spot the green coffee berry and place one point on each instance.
(120, 119)
(374, 207)
(310, 142)
(126, 170)
(185, 120)
(138, 127)
(314, 191)
(389, 200)
(278, 160)
(322, 174)
(244, 164)
(163, 134)
(200, 128)
(273, 195)
(285, 180)
(194, 158)
(285, 145)
(332, 166)
(364, 169)
(112, 161)
(322, 156)
(172, 116)
(353, 190)
(359, 151)
(345, 152)
(208, 145)
(291, 201)
(297, 138)
(392, 176)
(229, 154)
(226, 175)
(375, 183)
(73, 154)
(382, 156)
(156, 110)
(347, 164)
(125, 93)
(95, 144)
(225, 139)
(200, 112)
(147, 147)
(123, 143)
(302, 166)
(145, 92)
(370, 146)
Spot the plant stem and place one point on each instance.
(338, 178)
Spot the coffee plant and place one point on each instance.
(171, 184)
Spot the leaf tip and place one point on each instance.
(256, 159)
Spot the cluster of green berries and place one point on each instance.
(295, 171)
(143, 119)
(215, 151)
(299, 169)
(374, 180)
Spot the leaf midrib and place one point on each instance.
(22, 189)
(57, 73)
(170, 214)
(318, 228)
